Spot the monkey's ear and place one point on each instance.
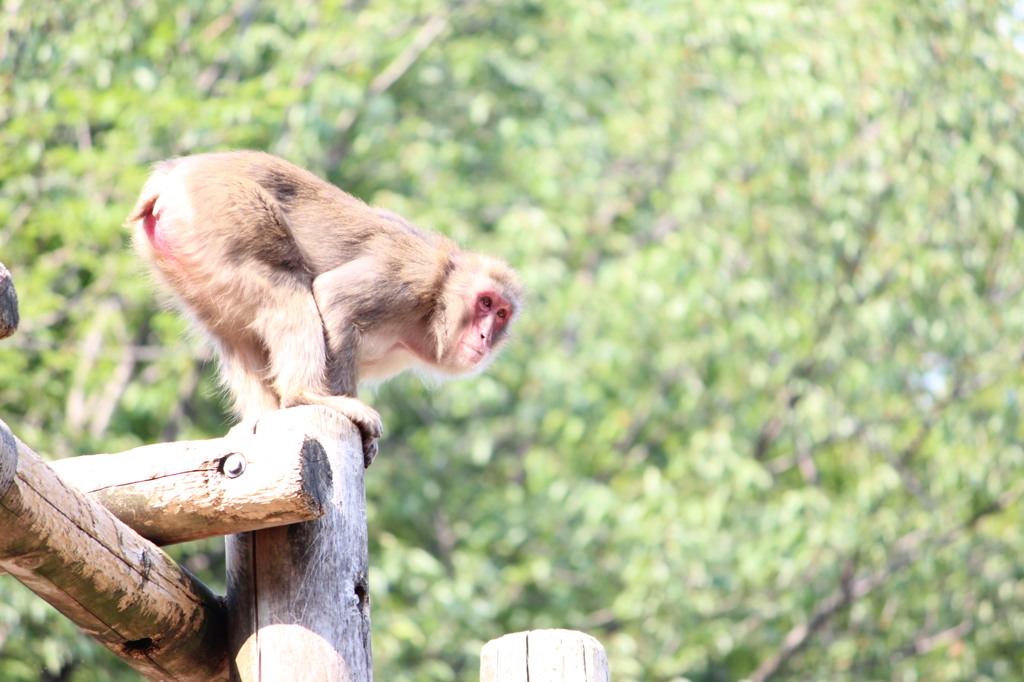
(452, 313)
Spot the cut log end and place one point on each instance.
(562, 655)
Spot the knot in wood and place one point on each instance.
(233, 465)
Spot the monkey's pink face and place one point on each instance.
(491, 315)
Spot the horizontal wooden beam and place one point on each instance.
(174, 492)
(120, 588)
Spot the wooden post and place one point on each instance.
(8, 304)
(121, 589)
(298, 595)
(544, 656)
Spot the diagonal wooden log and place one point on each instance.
(120, 588)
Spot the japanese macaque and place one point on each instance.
(306, 291)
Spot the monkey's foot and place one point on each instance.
(246, 427)
(366, 419)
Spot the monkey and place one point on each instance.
(305, 291)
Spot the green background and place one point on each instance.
(761, 415)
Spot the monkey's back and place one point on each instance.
(274, 221)
(290, 213)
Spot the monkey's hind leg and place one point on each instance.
(242, 365)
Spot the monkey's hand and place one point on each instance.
(366, 419)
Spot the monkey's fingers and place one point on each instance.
(369, 451)
(366, 419)
(361, 414)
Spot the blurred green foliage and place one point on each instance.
(761, 418)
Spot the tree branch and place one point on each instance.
(383, 81)
(905, 551)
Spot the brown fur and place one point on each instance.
(306, 290)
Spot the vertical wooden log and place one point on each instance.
(546, 655)
(298, 595)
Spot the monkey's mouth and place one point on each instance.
(473, 354)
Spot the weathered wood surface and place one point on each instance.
(8, 304)
(121, 589)
(544, 656)
(298, 595)
(174, 492)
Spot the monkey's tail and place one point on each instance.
(150, 191)
(143, 212)
(144, 217)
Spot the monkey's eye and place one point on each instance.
(503, 313)
(485, 301)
